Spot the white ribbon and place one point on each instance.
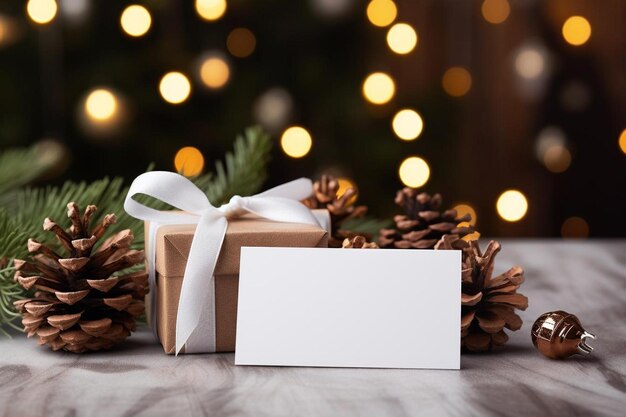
(196, 307)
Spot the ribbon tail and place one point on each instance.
(198, 283)
(294, 190)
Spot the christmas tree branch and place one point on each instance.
(22, 215)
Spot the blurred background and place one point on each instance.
(514, 110)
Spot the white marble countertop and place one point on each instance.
(584, 278)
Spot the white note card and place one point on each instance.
(370, 308)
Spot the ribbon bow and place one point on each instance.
(195, 322)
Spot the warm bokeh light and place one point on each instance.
(214, 72)
(557, 158)
(4, 29)
(379, 88)
(41, 11)
(382, 12)
(575, 228)
(296, 141)
(241, 42)
(402, 38)
(462, 209)
(622, 141)
(471, 236)
(414, 172)
(512, 205)
(210, 9)
(530, 63)
(407, 124)
(273, 108)
(136, 20)
(75, 11)
(10, 30)
(175, 87)
(344, 184)
(101, 105)
(457, 81)
(189, 161)
(495, 11)
(576, 30)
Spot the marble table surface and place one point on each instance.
(585, 278)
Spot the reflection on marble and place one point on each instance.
(584, 278)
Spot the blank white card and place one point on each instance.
(349, 308)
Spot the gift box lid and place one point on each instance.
(173, 242)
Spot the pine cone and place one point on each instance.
(423, 224)
(358, 242)
(340, 208)
(78, 303)
(487, 304)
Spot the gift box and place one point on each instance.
(172, 247)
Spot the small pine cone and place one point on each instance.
(80, 303)
(487, 304)
(423, 223)
(340, 208)
(358, 242)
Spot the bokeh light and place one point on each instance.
(495, 11)
(296, 141)
(41, 11)
(463, 208)
(407, 124)
(575, 228)
(470, 236)
(333, 8)
(456, 81)
(379, 88)
(136, 20)
(273, 108)
(557, 158)
(402, 38)
(414, 172)
(512, 205)
(622, 141)
(382, 13)
(189, 161)
(576, 30)
(241, 42)
(530, 63)
(74, 10)
(344, 185)
(214, 72)
(175, 87)
(4, 30)
(101, 105)
(210, 9)
(548, 137)
(10, 30)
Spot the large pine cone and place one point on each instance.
(79, 304)
(423, 224)
(340, 208)
(487, 304)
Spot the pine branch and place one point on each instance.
(244, 171)
(242, 174)
(21, 166)
(11, 246)
(367, 225)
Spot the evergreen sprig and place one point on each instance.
(19, 167)
(21, 217)
(244, 170)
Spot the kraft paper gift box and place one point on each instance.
(172, 245)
